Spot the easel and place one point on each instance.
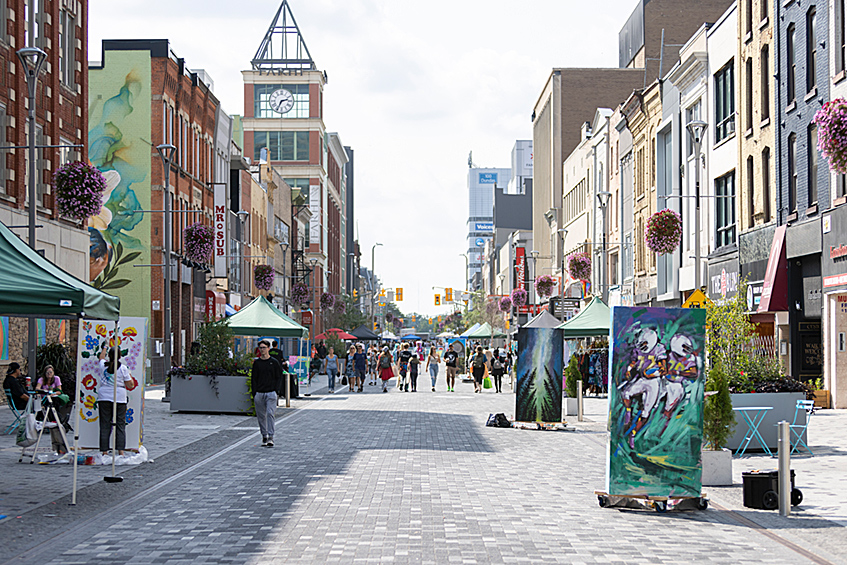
(51, 409)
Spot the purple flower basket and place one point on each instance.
(519, 297)
(299, 293)
(79, 190)
(579, 266)
(544, 285)
(832, 133)
(263, 276)
(198, 240)
(505, 304)
(664, 231)
(327, 300)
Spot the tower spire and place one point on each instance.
(283, 46)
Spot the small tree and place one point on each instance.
(718, 417)
(572, 375)
(729, 332)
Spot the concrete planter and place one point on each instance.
(783, 404)
(195, 394)
(717, 467)
(571, 407)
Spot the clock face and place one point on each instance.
(281, 101)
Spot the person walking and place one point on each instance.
(432, 361)
(479, 368)
(498, 368)
(111, 394)
(264, 382)
(414, 365)
(403, 359)
(348, 369)
(360, 361)
(331, 363)
(451, 360)
(386, 368)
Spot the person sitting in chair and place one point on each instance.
(12, 384)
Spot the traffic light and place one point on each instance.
(438, 300)
(355, 293)
(376, 324)
(448, 294)
(439, 319)
(413, 318)
(398, 295)
(382, 292)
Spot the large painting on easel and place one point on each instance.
(538, 393)
(656, 383)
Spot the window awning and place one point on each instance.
(775, 289)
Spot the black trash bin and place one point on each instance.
(761, 490)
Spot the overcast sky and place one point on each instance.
(413, 87)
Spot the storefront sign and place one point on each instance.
(487, 227)
(306, 317)
(219, 225)
(754, 295)
(836, 280)
(520, 267)
(723, 279)
(838, 252)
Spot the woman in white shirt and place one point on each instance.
(106, 395)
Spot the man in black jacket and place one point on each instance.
(264, 382)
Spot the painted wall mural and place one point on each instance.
(656, 383)
(538, 396)
(119, 145)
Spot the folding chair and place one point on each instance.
(18, 414)
(797, 430)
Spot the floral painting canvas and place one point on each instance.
(656, 383)
(538, 395)
(132, 340)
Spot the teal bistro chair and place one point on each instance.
(797, 430)
(17, 413)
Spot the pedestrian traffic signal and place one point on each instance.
(382, 292)
(376, 324)
(448, 294)
(398, 295)
(438, 300)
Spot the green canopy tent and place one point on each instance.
(470, 330)
(260, 318)
(484, 331)
(593, 321)
(33, 287)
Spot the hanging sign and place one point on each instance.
(219, 226)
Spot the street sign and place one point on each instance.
(306, 317)
(696, 300)
(448, 294)
(398, 295)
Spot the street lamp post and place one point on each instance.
(465, 255)
(166, 153)
(535, 255)
(603, 197)
(696, 129)
(373, 283)
(32, 59)
(563, 232)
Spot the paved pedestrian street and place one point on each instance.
(397, 478)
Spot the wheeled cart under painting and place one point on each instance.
(657, 503)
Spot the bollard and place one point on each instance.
(579, 400)
(287, 390)
(784, 469)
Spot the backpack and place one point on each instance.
(498, 421)
(478, 361)
(496, 364)
(384, 362)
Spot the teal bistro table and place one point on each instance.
(753, 416)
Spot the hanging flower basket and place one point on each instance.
(340, 306)
(505, 304)
(519, 297)
(544, 285)
(664, 231)
(832, 133)
(198, 240)
(389, 317)
(327, 300)
(79, 190)
(299, 293)
(579, 266)
(263, 276)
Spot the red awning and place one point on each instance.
(775, 289)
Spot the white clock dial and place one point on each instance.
(281, 101)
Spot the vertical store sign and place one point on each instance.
(220, 230)
(520, 267)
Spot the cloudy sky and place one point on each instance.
(413, 87)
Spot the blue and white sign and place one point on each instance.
(487, 178)
(484, 226)
(479, 242)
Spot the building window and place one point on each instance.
(748, 94)
(811, 50)
(748, 16)
(282, 145)
(725, 210)
(67, 43)
(840, 53)
(724, 103)
(4, 174)
(813, 164)
(766, 184)
(261, 100)
(751, 196)
(792, 173)
(791, 80)
(840, 185)
(4, 16)
(613, 269)
(763, 4)
(764, 73)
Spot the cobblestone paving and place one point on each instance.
(404, 478)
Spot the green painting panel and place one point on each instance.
(656, 383)
(538, 389)
(119, 131)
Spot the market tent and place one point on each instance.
(442, 335)
(364, 333)
(31, 286)
(260, 318)
(470, 330)
(484, 331)
(410, 337)
(388, 336)
(544, 320)
(592, 321)
(337, 332)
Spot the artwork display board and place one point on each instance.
(538, 392)
(656, 382)
(132, 341)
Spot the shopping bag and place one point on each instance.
(486, 382)
(344, 380)
(27, 433)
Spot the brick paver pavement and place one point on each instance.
(401, 478)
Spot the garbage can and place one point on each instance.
(761, 490)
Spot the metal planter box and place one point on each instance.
(783, 404)
(195, 394)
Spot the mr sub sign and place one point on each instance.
(220, 230)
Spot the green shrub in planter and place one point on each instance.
(572, 375)
(718, 417)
